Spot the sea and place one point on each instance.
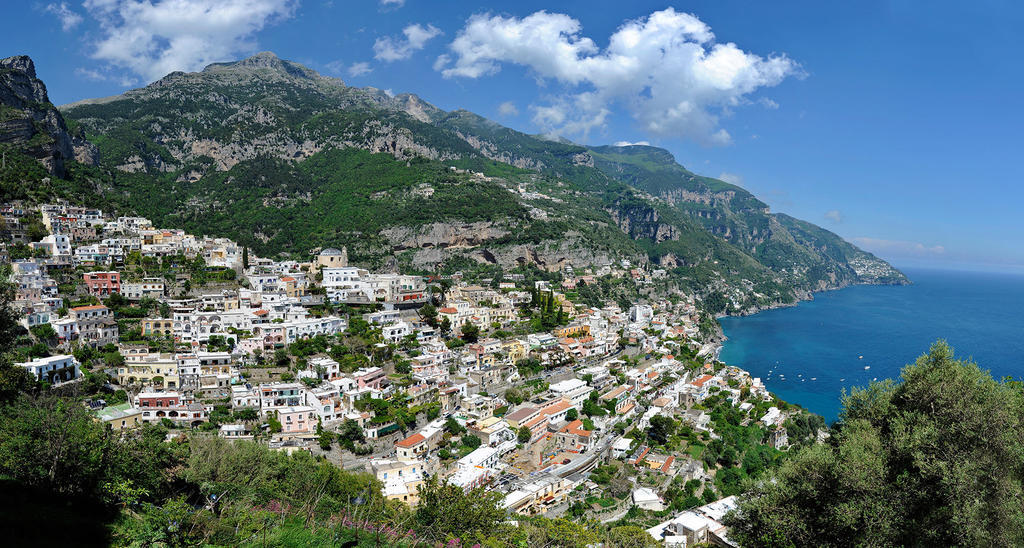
(808, 354)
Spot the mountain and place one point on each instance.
(30, 123)
(286, 161)
(778, 241)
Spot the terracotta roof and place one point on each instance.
(90, 307)
(556, 407)
(668, 464)
(448, 310)
(536, 421)
(412, 440)
(700, 382)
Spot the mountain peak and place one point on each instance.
(265, 61)
(22, 63)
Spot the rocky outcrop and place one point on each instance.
(443, 235)
(643, 223)
(27, 118)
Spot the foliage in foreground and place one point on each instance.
(934, 460)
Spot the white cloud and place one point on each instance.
(359, 69)
(508, 108)
(395, 49)
(834, 215)
(68, 18)
(629, 144)
(392, 3)
(731, 178)
(90, 74)
(105, 76)
(901, 248)
(153, 38)
(666, 69)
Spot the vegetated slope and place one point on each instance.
(285, 160)
(808, 254)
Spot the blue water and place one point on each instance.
(979, 314)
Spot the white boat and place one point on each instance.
(866, 367)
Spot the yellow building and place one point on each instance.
(120, 417)
(515, 350)
(572, 330)
(157, 326)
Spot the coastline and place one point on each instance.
(719, 338)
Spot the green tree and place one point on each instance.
(571, 414)
(661, 428)
(934, 460)
(470, 332)
(471, 441)
(446, 511)
(429, 314)
(524, 434)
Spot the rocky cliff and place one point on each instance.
(29, 122)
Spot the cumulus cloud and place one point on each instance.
(390, 48)
(359, 69)
(901, 248)
(731, 178)
(834, 215)
(508, 108)
(667, 69)
(629, 144)
(153, 38)
(68, 18)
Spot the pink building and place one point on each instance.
(299, 419)
(371, 377)
(102, 284)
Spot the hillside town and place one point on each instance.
(524, 384)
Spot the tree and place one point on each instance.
(571, 414)
(350, 433)
(273, 423)
(13, 379)
(524, 435)
(324, 437)
(245, 258)
(661, 429)
(934, 460)
(453, 427)
(446, 510)
(471, 441)
(514, 396)
(429, 314)
(470, 332)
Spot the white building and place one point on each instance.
(53, 369)
(574, 391)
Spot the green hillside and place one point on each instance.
(286, 161)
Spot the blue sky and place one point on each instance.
(895, 124)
